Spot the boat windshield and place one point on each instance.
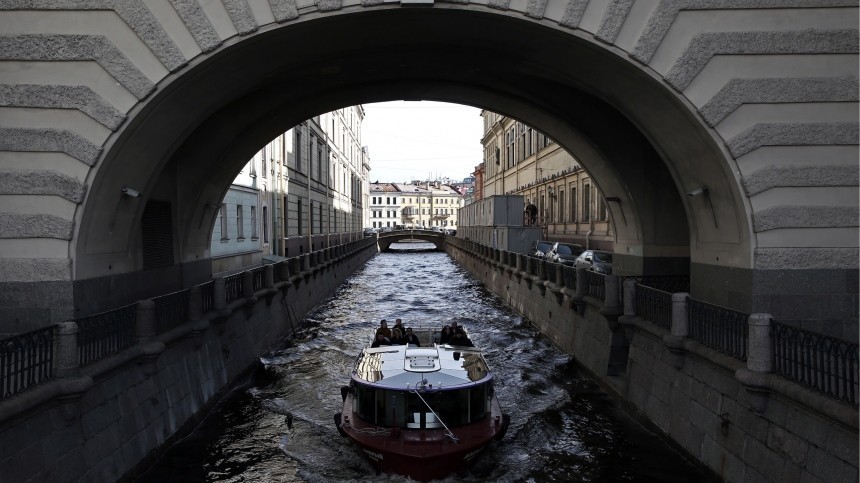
(404, 409)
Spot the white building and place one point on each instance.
(310, 186)
(419, 204)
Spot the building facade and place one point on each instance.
(311, 189)
(420, 204)
(520, 160)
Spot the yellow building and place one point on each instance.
(519, 160)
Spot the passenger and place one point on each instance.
(398, 324)
(380, 340)
(459, 339)
(383, 329)
(412, 338)
(455, 327)
(445, 336)
(397, 337)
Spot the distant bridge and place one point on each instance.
(385, 239)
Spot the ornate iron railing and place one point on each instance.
(824, 363)
(207, 292)
(654, 305)
(171, 310)
(258, 277)
(105, 334)
(719, 328)
(595, 285)
(26, 360)
(569, 274)
(233, 287)
(550, 270)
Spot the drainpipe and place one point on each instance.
(586, 239)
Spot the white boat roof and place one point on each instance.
(404, 367)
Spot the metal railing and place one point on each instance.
(569, 277)
(26, 360)
(595, 285)
(824, 363)
(233, 287)
(719, 328)
(654, 305)
(207, 292)
(258, 277)
(107, 333)
(171, 311)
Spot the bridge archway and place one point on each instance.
(635, 102)
(385, 240)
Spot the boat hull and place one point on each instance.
(421, 454)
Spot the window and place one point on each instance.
(321, 217)
(311, 217)
(572, 211)
(263, 163)
(254, 221)
(299, 148)
(265, 226)
(586, 202)
(240, 229)
(299, 216)
(285, 217)
(223, 214)
(561, 205)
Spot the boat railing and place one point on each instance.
(447, 431)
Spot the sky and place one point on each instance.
(415, 140)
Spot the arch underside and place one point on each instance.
(632, 99)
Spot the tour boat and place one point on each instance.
(423, 412)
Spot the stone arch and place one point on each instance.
(614, 83)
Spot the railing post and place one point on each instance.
(680, 318)
(248, 284)
(268, 276)
(145, 320)
(611, 306)
(629, 297)
(66, 358)
(219, 294)
(754, 377)
(579, 293)
(195, 303)
(680, 328)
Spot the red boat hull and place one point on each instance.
(421, 454)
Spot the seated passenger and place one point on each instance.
(398, 324)
(412, 338)
(459, 339)
(383, 329)
(380, 340)
(445, 336)
(397, 338)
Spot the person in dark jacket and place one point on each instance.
(445, 336)
(397, 337)
(380, 340)
(459, 339)
(412, 338)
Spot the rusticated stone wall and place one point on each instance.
(743, 423)
(100, 422)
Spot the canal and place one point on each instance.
(278, 425)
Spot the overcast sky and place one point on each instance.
(417, 140)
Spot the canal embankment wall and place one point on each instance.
(102, 419)
(735, 417)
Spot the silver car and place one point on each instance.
(595, 260)
(564, 253)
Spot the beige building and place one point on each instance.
(420, 204)
(519, 160)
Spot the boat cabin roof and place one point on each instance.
(403, 367)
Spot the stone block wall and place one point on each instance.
(765, 429)
(101, 423)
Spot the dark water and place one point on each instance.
(278, 426)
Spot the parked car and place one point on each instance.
(369, 231)
(539, 248)
(565, 253)
(595, 260)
